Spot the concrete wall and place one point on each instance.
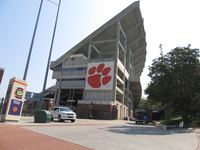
(96, 111)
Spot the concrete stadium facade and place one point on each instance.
(100, 76)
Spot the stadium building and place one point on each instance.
(100, 76)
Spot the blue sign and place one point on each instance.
(15, 107)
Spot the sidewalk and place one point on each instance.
(94, 134)
(18, 138)
(197, 131)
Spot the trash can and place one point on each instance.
(42, 116)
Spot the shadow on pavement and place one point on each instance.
(144, 130)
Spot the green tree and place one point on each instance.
(175, 81)
(149, 105)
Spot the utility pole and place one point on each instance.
(52, 42)
(32, 41)
(1, 74)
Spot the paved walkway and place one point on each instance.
(198, 138)
(18, 138)
(120, 136)
(96, 134)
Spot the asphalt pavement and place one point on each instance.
(95, 134)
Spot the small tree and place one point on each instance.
(149, 105)
(175, 81)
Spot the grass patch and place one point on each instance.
(194, 122)
(172, 121)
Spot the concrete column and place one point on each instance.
(58, 94)
(115, 63)
(89, 50)
(59, 86)
(124, 86)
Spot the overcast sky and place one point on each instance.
(172, 23)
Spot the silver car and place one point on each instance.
(63, 113)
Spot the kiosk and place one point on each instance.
(14, 100)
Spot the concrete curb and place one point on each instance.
(165, 127)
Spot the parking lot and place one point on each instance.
(114, 135)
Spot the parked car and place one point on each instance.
(141, 116)
(63, 113)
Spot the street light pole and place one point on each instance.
(52, 42)
(32, 41)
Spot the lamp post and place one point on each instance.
(1, 74)
(52, 42)
(32, 41)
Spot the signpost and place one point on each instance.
(14, 100)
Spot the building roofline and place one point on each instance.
(96, 32)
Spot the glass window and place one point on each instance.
(56, 109)
(64, 109)
(75, 69)
(74, 79)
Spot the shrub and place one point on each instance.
(171, 122)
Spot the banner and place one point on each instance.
(15, 107)
(99, 76)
